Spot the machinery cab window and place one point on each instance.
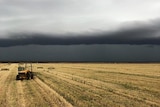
(20, 68)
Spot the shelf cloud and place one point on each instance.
(134, 34)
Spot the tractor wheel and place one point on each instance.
(17, 77)
(32, 75)
(28, 75)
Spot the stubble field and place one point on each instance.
(82, 85)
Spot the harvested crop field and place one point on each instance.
(82, 85)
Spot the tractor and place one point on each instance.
(24, 71)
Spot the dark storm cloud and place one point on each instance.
(133, 34)
(110, 53)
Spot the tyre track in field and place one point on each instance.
(3, 87)
(21, 98)
(50, 95)
(74, 92)
(14, 91)
(11, 90)
(5, 82)
(33, 96)
(91, 82)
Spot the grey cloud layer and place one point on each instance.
(60, 16)
(148, 33)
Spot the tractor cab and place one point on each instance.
(21, 68)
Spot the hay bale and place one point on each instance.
(51, 68)
(39, 67)
(4, 69)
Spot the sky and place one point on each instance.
(80, 30)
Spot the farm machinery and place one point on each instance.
(24, 71)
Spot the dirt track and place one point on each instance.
(27, 93)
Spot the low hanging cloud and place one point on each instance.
(135, 34)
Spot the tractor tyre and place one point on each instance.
(28, 75)
(32, 75)
(17, 77)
